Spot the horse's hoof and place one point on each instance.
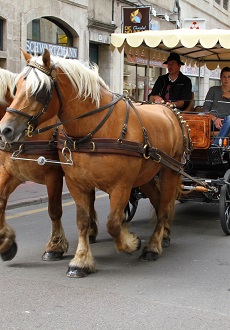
(77, 272)
(52, 256)
(11, 253)
(166, 242)
(148, 256)
(92, 239)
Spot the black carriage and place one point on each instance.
(207, 173)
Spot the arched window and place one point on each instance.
(49, 30)
(51, 33)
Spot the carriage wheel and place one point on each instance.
(131, 207)
(130, 210)
(224, 204)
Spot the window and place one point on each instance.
(217, 1)
(36, 29)
(93, 53)
(225, 4)
(1, 34)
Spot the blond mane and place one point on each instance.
(84, 78)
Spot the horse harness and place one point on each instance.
(101, 145)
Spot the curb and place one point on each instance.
(33, 201)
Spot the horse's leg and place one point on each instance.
(8, 246)
(152, 191)
(58, 243)
(83, 262)
(169, 182)
(93, 230)
(117, 228)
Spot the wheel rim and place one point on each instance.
(224, 204)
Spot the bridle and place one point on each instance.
(42, 96)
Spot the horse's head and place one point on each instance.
(46, 85)
(33, 94)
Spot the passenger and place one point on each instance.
(173, 87)
(217, 103)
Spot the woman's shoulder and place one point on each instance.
(215, 88)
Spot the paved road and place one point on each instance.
(187, 288)
(31, 193)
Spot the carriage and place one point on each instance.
(207, 177)
(112, 131)
(208, 173)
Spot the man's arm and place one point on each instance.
(154, 96)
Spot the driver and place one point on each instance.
(173, 87)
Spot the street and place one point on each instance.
(188, 287)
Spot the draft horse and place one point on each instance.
(13, 173)
(115, 145)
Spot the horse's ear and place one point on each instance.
(27, 56)
(46, 58)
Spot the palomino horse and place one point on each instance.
(115, 145)
(13, 173)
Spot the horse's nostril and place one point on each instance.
(7, 131)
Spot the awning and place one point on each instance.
(210, 47)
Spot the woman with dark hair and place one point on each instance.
(217, 103)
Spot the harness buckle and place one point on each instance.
(145, 152)
(7, 146)
(29, 130)
(93, 146)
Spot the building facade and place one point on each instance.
(81, 29)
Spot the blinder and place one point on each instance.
(42, 95)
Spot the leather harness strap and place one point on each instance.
(126, 147)
(31, 147)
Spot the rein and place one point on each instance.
(92, 112)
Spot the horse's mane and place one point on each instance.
(84, 78)
(7, 82)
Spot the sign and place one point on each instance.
(136, 19)
(194, 23)
(37, 48)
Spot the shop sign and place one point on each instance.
(194, 23)
(136, 19)
(37, 48)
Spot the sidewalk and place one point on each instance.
(30, 193)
